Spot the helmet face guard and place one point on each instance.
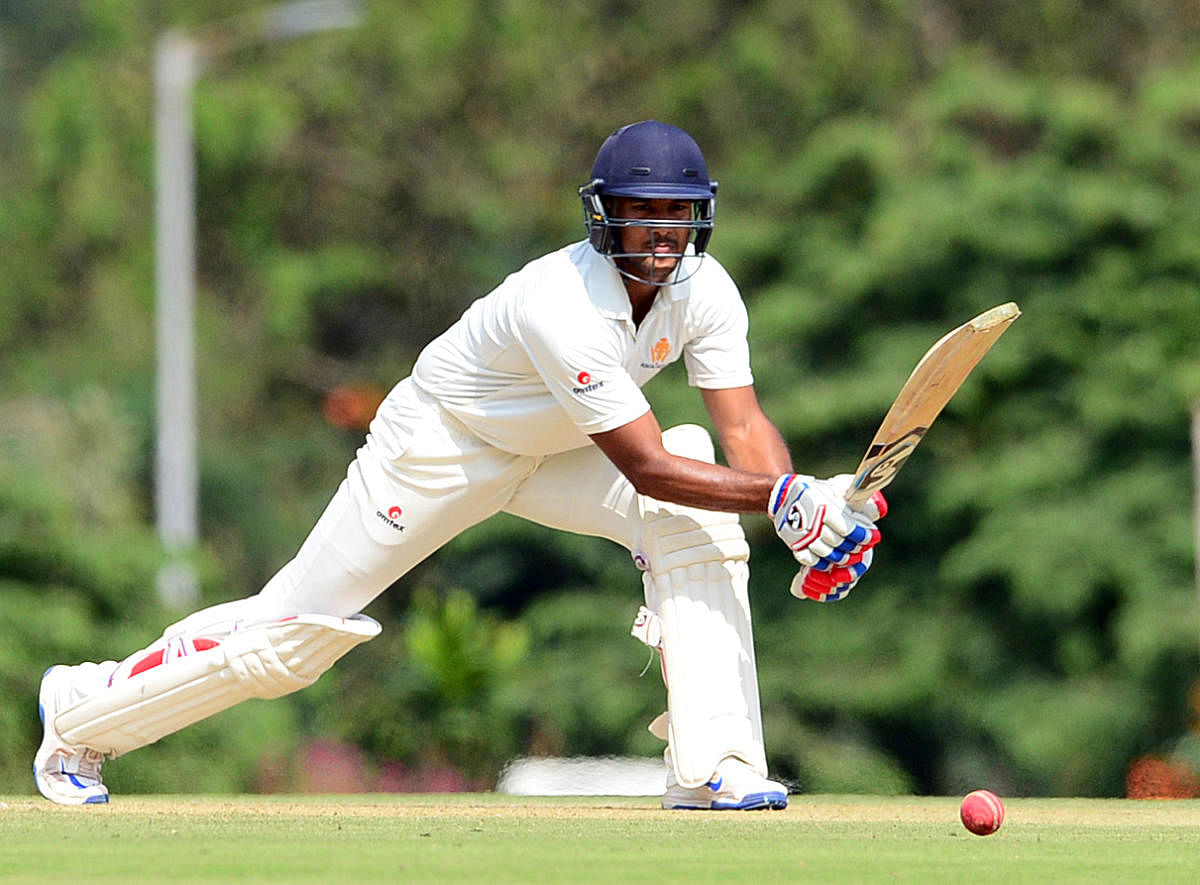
(602, 228)
(651, 161)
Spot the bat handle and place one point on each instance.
(874, 507)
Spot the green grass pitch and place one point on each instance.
(495, 839)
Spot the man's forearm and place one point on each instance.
(759, 449)
(707, 486)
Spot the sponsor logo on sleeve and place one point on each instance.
(585, 384)
(391, 519)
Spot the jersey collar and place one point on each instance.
(607, 291)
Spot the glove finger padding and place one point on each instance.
(862, 537)
(827, 565)
(833, 582)
(876, 507)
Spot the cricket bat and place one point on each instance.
(940, 372)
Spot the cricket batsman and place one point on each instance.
(531, 404)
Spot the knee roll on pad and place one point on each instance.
(190, 677)
(674, 536)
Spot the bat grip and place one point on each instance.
(873, 506)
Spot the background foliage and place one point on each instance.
(888, 168)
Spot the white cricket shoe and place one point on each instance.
(734, 786)
(64, 774)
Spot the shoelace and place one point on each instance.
(89, 764)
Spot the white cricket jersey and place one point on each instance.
(552, 354)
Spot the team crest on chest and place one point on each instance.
(659, 354)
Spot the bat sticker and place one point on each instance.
(886, 461)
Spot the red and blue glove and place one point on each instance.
(832, 542)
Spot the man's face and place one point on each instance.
(661, 245)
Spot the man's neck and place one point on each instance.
(641, 298)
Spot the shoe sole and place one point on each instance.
(754, 802)
(44, 751)
(772, 801)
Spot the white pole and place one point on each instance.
(177, 62)
(175, 259)
(1196, 490)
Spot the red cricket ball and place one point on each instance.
(982, 812)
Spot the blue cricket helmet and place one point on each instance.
(652, 160)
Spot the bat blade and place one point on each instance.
(940, 372)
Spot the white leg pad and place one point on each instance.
(696, 577)
(185, 678)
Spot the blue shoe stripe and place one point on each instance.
(750, 801)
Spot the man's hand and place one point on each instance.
(829, 583)
(831, 541)
(812, 517)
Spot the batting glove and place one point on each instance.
(833, 576)
(812, 517)
(831, 583)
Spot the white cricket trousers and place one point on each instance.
(421, 479)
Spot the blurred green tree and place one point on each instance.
(887, 170)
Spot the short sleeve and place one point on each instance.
(717, 354)
(582, 365)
